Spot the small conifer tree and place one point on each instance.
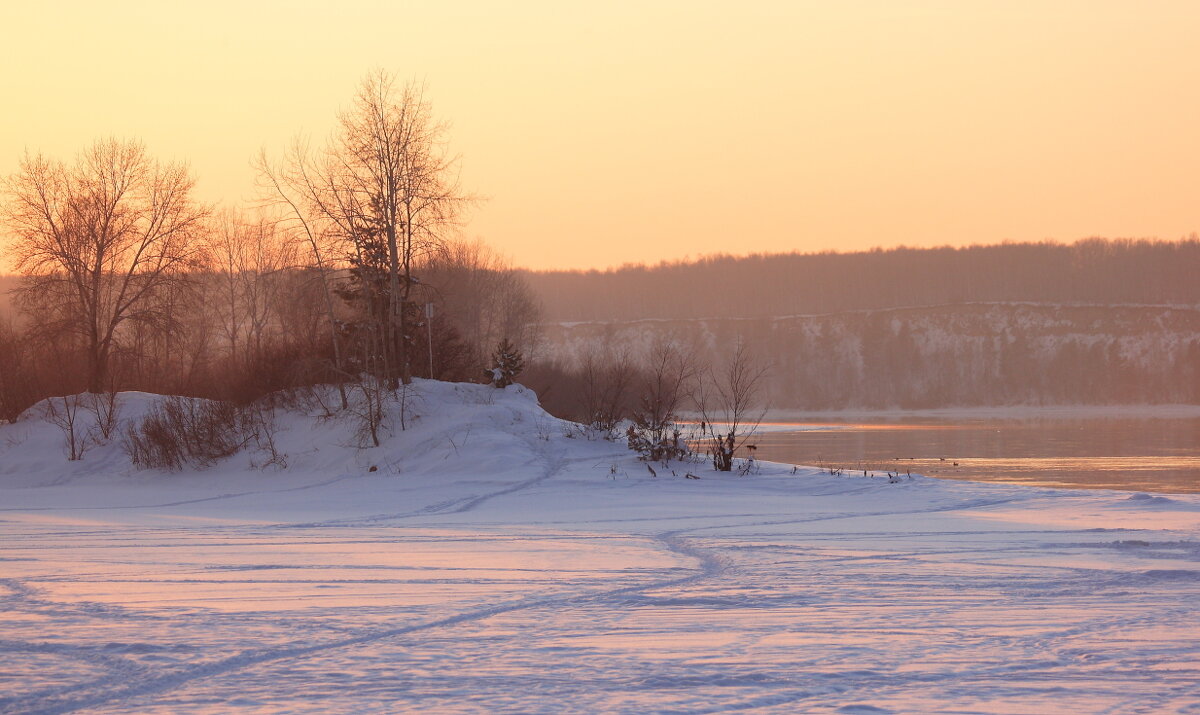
(507, 363)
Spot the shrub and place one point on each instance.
(179, 431)
(65, 414)
(655, 434)
(660, 444)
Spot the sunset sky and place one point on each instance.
(619, 132)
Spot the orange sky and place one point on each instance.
(637, 131)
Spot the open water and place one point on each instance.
(1155, 455)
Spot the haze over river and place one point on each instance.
(1139, 454)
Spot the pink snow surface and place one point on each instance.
(499, 560)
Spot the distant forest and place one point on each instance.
(944, 356)
(1096, 322)
(1093, 271)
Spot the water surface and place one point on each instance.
(1159, 455)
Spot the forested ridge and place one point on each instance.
(1093, 271)
(943, 356)
(1095, 322)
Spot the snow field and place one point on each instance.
(492, 563)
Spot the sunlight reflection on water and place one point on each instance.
(1136, 454)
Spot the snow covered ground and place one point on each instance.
(496, 560)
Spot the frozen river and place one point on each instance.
(521, 570)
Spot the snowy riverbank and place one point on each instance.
(498, 561)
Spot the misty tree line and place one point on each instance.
(989, 355)
(1095, 322)
(942, 356)
(668, 395)
(346, 272)
(1094, 271)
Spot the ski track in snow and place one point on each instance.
(153, 685)
(101, 694)
(184, 502)
(150, 685)
(567, 591)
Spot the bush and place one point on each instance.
(655, 434)
(65, 414)
(180, 431)
(657, 444)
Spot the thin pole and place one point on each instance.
(429, 334)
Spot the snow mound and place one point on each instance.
(427, 424)
(1143, 498)
(1173, 575)
(1155, 502)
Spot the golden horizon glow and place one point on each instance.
(638, 132)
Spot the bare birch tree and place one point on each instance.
(384, 190)
(291, 186)
(249, 256)
(668, 372)
(731, 402)
(98, 240)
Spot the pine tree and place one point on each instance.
(507, 363)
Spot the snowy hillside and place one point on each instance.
(490, 558)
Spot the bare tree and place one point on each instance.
(292, 186)
(668, 373)
(482, 296)
(384, 189)
(17, 390)
(107, 410)
(369, 410)
(171, 355)
(730, 400)
(250, 256)
(65, 414)
(608, 377)
(225, 255)
(98, 240)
